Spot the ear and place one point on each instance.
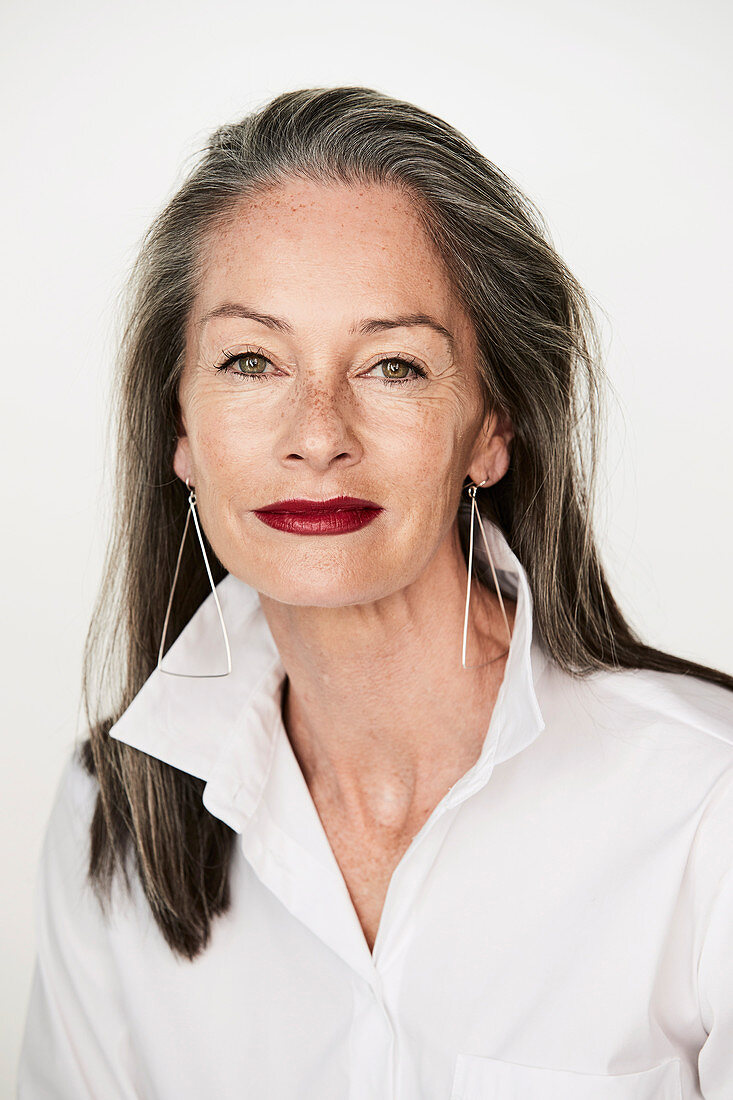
(491, 453)
(182, 464)
(182, 459)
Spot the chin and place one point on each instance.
(326, 592)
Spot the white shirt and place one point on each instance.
(560, 927)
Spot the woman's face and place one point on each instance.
(313, 405)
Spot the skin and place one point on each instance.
(382, 716)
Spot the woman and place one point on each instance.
(407, 809)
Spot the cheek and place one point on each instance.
(436, 446)
(430, 483)
(223, 440)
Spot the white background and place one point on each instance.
(614, 117)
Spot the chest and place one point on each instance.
(367, 860)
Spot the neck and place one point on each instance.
(379, 710)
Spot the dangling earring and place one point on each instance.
(192, 512)
(475, 512)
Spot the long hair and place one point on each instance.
(539, 361)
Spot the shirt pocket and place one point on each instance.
(478, 1078)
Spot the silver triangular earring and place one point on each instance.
(475, 512)
(192, 512)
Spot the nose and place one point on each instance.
(320, 424)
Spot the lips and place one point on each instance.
(336, 516)
(310, 507)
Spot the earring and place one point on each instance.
(192, 512)
(475, 512)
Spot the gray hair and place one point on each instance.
(540, 365)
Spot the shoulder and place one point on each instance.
(667, 734)
(645, 706)
(660, 741)
(65, 849)
(77, 1039)
(75, 912)
(73, 804)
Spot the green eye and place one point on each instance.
(391, 366)
(398, 362)
(247, 357)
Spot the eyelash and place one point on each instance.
(225, 367)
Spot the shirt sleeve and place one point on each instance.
(76, 1041)
(715, 984)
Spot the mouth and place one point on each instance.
(336, 516)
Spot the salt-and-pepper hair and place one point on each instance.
(539, 358)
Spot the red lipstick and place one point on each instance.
(335, 516)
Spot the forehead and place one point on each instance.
(327, 243)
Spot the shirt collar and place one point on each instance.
(226, 728)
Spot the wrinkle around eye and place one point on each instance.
(418, 373)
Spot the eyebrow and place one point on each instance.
(366, 327)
